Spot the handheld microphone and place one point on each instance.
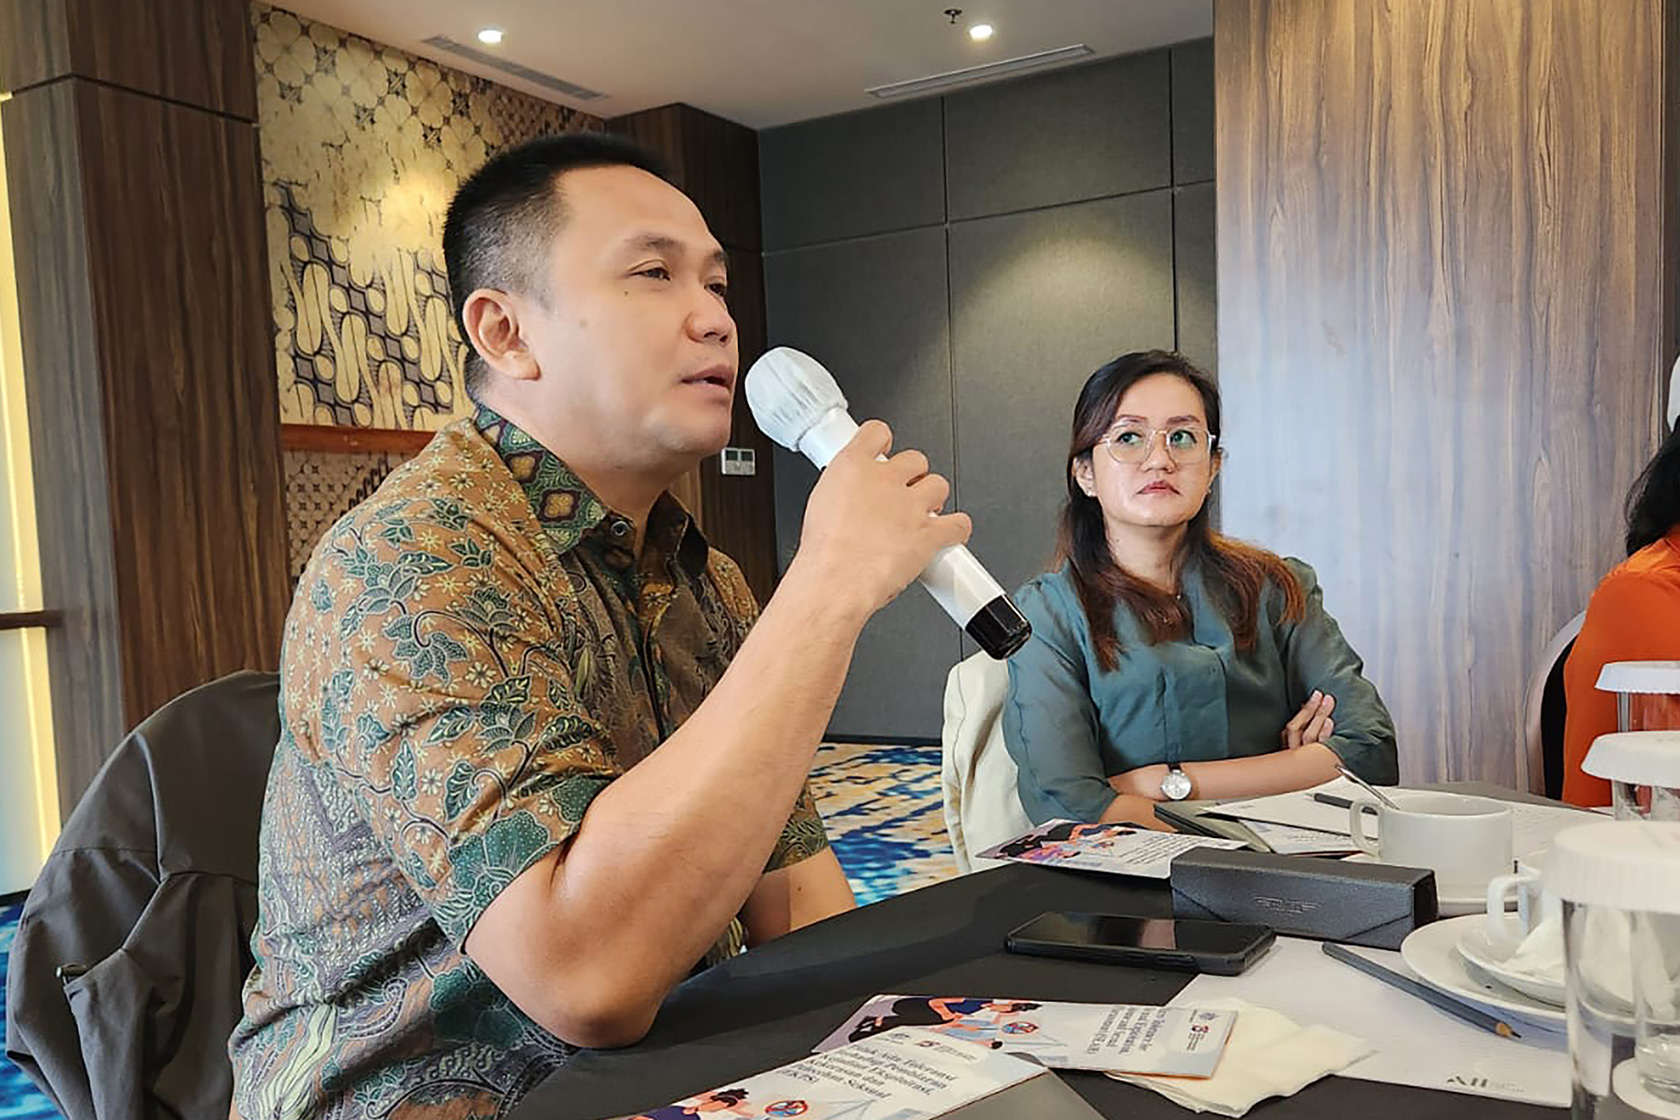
(797, 403)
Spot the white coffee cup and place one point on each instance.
(1465, 840)
(1535, 905)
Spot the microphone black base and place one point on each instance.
(999, 627)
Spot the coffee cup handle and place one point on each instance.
(1356, 826)
(1502, 927)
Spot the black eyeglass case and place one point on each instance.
(1370, 904)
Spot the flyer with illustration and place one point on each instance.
(1104, 1037)
(909, 1074)
(1119, 849)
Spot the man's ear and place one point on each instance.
(491, 321)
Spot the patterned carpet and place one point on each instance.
(882, 808)
(18, 1098)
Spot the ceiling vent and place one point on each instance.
(980, 73)
(524, 73)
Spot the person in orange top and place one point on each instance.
(1634, 615)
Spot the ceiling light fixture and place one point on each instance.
(490, 36)
(980, 32)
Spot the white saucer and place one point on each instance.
(1487, 959)
(1626, 1084)
(1431, 952)
(1450, 903)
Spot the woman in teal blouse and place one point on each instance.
(1167, 661)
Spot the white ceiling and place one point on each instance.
(758, 62)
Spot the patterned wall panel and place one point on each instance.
(362, 147)
(321, 487)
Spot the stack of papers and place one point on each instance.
(1299, 809)
(1287, 840)
(1119, 849)
(1104, 1037)
(908, 1074)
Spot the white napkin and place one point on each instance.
(1606, 966)
(1267, 1055)
(1540, 954)
(1656, 950)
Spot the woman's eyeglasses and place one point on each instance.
(1186, 444)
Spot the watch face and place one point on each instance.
(1176, 785)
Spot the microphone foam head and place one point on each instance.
(788, 392)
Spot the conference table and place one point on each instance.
(771, 1005)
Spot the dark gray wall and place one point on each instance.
(873, 310)
(1038, 301)
(962, 264)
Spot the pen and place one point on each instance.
(1332, 799)
(1464, 1012)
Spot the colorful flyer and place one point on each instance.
(1119, 849)
(909, 1074)
(1104, 1037)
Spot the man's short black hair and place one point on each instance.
(503, 218)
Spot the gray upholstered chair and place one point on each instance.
(125, 976)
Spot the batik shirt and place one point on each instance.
(472, 655)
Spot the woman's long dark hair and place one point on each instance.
(1235, 573)
(1653, 507)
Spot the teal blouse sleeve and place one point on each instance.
(1316, 656)
(1049, 718)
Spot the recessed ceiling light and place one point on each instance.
(980, 32)
(490, 36)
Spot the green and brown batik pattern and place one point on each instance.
(473, 654)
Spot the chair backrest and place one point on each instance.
(982, 805)
(1541, 764)
(124, 979)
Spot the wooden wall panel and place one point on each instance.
(1440, 326)
(66, 427)
(716, 163)
(739, 511)
(177, 261)
(148, 355)
(196, 52)
(34, 42)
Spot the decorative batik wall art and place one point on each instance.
(362, 147)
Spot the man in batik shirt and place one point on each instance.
(533, 769)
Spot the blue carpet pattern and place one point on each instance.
(19, 1099)
(882, 806)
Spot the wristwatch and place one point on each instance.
(1176, 785)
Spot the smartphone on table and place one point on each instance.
(1177, 944)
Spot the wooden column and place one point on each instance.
(131, 151)
(716, 162)
(1443, 230)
